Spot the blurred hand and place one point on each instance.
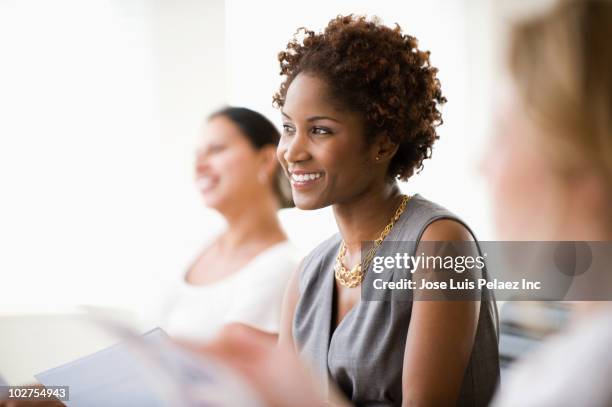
(274, 372)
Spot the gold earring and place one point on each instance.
(377, 158)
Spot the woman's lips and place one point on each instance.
(302, 179)
(205, 183)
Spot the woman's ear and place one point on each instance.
(268, 163)
(384, 148)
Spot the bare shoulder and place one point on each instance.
(446, 230)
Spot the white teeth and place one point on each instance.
(203, 183)
(305, 177)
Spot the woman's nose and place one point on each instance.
(201, 162)
(297, 149)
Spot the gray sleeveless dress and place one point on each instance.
(364, 354)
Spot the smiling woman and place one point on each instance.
(360, 106)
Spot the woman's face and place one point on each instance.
(227, 165)
(322, 149)
(528, 196)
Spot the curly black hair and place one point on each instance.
(378, 71)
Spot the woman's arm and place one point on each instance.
(290, 299)
(440, 337)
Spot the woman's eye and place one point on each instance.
(321, 130)
(216, 149)
(287, 129)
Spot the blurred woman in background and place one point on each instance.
(552, 156)
(239, 278)
(241, 274)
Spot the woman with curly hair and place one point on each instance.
(360, 106)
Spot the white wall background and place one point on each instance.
(101, 102)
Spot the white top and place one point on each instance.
(571, 369)
(252, 295)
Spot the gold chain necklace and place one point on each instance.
(353, 277)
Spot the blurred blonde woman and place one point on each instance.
(241, 274)
(553, 156)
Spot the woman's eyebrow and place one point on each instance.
(315, 118)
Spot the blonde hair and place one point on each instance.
(561, 62)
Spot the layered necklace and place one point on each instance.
(353, 277)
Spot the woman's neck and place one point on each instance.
(255, 222)
(364, 217)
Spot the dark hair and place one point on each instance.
(261, 133)
(379, 72)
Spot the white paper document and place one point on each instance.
(147, 371)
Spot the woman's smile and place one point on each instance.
(301, 180)
(205, 183)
